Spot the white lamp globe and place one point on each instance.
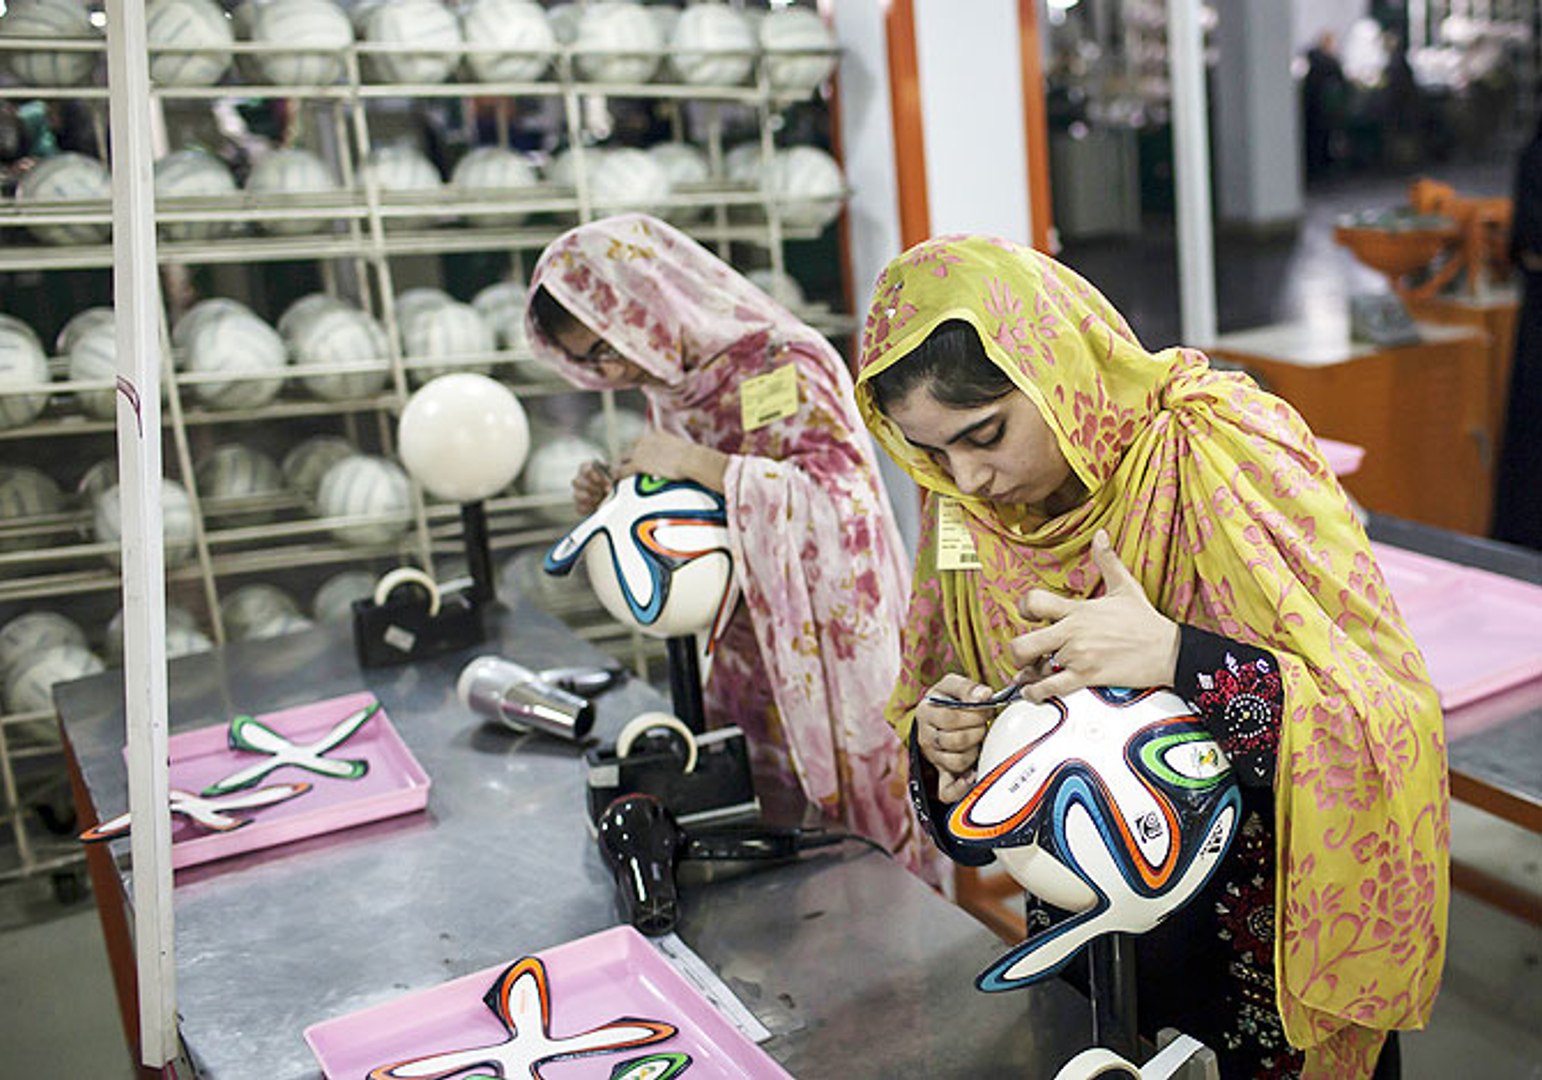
(463, 436)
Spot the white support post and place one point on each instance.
(1191, 167)
(136, 300)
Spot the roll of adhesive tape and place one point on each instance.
(407, 575)
(639, 724)
(1098, 1062)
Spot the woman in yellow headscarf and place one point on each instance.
(1137, 519)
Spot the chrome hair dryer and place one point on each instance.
(501, 690)
(640, 842)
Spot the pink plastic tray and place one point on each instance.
(592, 981)
(1343, 458)
(394, 784)
(1480, 632)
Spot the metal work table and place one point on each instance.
(1494, 745)
(857, 968)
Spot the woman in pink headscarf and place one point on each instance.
(809, 658)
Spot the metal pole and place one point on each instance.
(136, 300)
(1191, 167)
(1111, 986)
(479, 559)
(685, 683)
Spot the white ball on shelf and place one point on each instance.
(180, 623)
(97, 479)
(303, 310)
(187, 22)
(493, 174)
(29, 687)
(308, 461)
(21, 327)
(291, 171)
(26, 493)
(711, 44)
(250, 606)
(630, 425)
(807, 184)
(453, 334)
(67, 177)
(521, 32)
(22, 363)
(278, 626)
(342, 335)
(365, 484)
(617, 42)
(686, 166)
(628, 179)
(425, 23)
(178, 530)
(410, 303)
(464, 437)
(79, 323)
(522, 575)
(33, 631)
(319, 24)
(235, 471)
(742, 163)
(798, 48)
(560, 170)
(48, 19)
(186, 641)
(92, 358)
(334, 597)
(401, 169)
(238, 344)
(551, 467)
(193, 174)
(563, 20)
(779, 285)
(502, 307)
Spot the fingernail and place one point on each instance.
(1100, 538)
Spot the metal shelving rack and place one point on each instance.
(56, 563)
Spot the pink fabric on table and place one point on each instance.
(810, 657)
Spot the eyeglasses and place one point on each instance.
(601, 352)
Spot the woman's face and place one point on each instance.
(1003, 450)
(585, 347)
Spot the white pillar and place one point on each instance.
(1191, 166)
(1257, 111)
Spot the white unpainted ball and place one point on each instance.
(629, 424)
(320, 24)
(97, 479)
(67, 177)
(807, 184)
(305, 464)
(252, 605)
(22, 363)
(291, 172)
(550, 468)
(334, 597)
(446, 338)
(94, 358)
(780, 286)
(342, 335)
(29, 688)
(687, 167)
(192, 174)
(238, 345)
(187, 23)
(628, 179)
(410, 303)
(79, 323)
(617, 42)
(523, 575)
(180, 623)
(366, 485)
(301, 311)
(426, 24)
(51, 20)
(402, 170)
(518, 29)
(233, 473)
(25, 493)
(215, 307)
(33, 631)
(799, 50)
(178, 530)
(502, 307)
(463, 437)
(278, 626)
(496, 175)
(563, 20)
(711, 44)
(743, 164)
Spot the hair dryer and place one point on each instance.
(640, 842)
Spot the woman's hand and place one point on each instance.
(673, 458)
(1117, 639)
(590, 486)
(950, 738)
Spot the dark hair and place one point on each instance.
(951, 363)
(549, 314)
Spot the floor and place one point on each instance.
(60, 1019)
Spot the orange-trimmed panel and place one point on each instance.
(905, 111)
(1036, 122)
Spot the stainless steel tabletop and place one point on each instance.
(857, 968)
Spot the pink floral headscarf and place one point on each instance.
(812, 533)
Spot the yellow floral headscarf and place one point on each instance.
(1216, 497)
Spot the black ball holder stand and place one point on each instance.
(1111, 988)
(685, 683)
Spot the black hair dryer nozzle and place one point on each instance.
(640, 842)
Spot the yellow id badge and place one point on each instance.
(768, 398)
(955, 547)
